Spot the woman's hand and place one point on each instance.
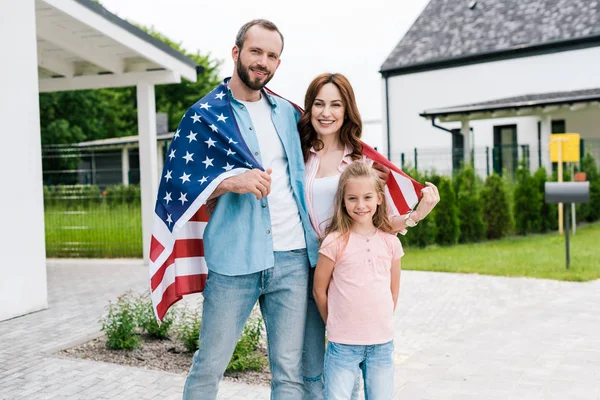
(382, 171)
(430, 198)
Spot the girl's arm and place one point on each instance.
(323, 273)
(395, 283)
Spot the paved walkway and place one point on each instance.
(457, 337)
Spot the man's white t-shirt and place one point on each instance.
(286, 226)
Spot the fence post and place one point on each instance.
(416, 163)
(402, 160)
(487, 160)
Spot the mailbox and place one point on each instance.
(567, 192)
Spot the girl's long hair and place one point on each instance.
(341, 222)
(351, 129)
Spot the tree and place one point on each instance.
(470, 211)
(527, 203)
(496, 209)
(548, 212)
(107, 113)
(446, 215)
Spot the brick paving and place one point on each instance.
(457, 337)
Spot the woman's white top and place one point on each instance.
(323, 197)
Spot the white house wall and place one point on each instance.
(411, 94)
(23, 267)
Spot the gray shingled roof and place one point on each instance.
(449, 29)
(528, 100)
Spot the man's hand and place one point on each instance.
(382, 171)
(254, 181)
(430, 198)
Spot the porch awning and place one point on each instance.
(81, 45)
(530, 104)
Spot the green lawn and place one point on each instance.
(537, 256)
(97, 231)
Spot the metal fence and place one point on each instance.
(89, 213)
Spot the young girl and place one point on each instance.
(356, 287)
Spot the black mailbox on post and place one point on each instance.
(567, 193)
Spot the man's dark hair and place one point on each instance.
(243, 32)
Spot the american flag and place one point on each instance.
(206, 149)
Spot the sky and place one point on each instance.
(353, 38)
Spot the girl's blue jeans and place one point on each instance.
(343, 363)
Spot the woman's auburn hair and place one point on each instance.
(351, 130)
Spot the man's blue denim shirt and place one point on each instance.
(238, 238)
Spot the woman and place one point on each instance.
(330, 132)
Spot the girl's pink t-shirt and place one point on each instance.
(359, 298)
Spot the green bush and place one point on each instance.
(245, 356)
(470, 211)
(527, 203)
(72, 196)
(119, 325)
(188, 330)
(147, 322)
(590, 211)
(423, 234)
(446, 215)
(548, 212)
(121, 194)
(496, 210)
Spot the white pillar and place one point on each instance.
(125, 166)
(146, 109)
(546, 131)
(466, 132)
(22, 245)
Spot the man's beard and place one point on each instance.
(244, 75)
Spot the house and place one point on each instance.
(490, 80)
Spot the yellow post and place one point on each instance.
(560, 179)
(564, 147)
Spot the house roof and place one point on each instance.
(450, 32)
(529, 101)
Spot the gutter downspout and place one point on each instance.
(387, 119)
(439, 126)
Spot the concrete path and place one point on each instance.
(457, 337)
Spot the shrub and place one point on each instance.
(446, 215)
(119, 325)
(527, 203)
(245, 356)
(471, 226)
(590, 211)
(146, 319)
(496, 211)
(548, 212)
(423, 234)
(188, 330)
(121, 194)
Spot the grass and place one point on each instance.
(535, 256)
(115, 231)
(101, 231)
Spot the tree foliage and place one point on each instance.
(527, 203)
(496, 209)
(470, 211)
(74, 116)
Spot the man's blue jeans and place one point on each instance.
(343, 363)
(228, 301)
(313, 355)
